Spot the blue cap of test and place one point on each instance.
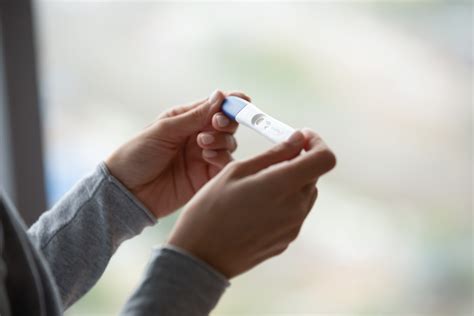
(232, 106)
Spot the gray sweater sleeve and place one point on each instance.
(83, 230)
(176, 284)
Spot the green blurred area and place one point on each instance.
(387, 84)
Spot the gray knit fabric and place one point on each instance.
(81, 232)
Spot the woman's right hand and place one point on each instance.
(254, 208)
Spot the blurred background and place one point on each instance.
(387, 84)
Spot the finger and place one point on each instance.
(216, 141)
(306, 168)
(218, 158)
(181, 126)
(222, 123)
(180, 109)
(281, 152)
(240, 95)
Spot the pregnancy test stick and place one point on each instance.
(251, 116)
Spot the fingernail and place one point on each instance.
(214, 96)
(209, 153)
(206, 139)
(222, 120)
(230, 139)
(296, 138)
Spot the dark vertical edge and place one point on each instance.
(22, 107)
(6, 184)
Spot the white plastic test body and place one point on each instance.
(251, 116)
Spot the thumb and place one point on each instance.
(281, 152)
(194, 120)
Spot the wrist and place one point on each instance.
(119, 171)
(104, 167)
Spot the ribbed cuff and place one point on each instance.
(176, 284)
(198, 261)
(115, 182)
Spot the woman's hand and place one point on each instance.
(167, 163)
(254, 208)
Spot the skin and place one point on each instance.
(246, 211)
(254, 208)
(167, 163)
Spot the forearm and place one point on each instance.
(82, 231)
(176, 283)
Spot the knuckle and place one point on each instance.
(280, 250)
(328, 158)
(163, 125)
(317, 137)
(175, 111)
(197, 114)
(294, 233)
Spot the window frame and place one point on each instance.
(21, 142)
